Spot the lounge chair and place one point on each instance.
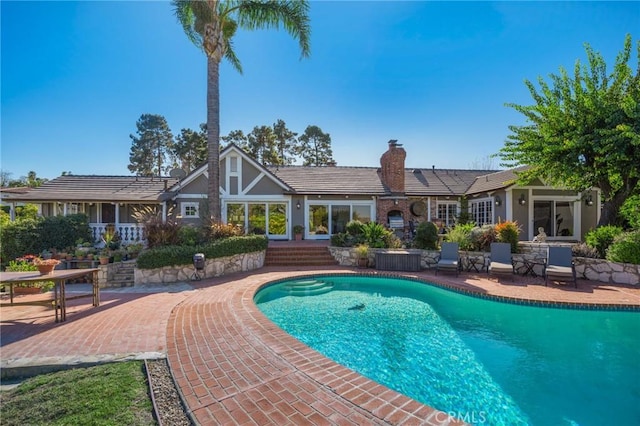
(501, 260)
(560, 266)
(449, 258)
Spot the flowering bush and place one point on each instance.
(507, 232)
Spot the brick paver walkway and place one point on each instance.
(232, 365)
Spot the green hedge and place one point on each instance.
(625, 248)
(183, 255)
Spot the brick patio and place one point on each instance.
(232, 365)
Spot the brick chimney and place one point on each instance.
(392, 167)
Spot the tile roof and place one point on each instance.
(99, 188)
(425, 182)
(330, 180)
(493, 181)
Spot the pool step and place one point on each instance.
(307, 287)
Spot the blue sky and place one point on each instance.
(433, 75)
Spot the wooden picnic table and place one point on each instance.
(59, 278)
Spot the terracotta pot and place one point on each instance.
(104, 260)
(46, 269)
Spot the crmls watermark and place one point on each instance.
(471, 417)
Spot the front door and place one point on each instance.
(108, 213)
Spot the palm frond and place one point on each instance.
(292, 15)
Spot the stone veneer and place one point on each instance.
(213, 268)
(589, 269)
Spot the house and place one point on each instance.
(271, 200)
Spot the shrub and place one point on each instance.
(183, 255)
(583, 250)
(391, 240)
(220, 231)
(602, 237)
(344, 239)
(630, 211)
(482, 237)
(461, 234)
(426, 236)
(625, 248)
(508, 232)
(374, 234)
(354, 227)
(190, 235)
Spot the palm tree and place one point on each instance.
(211, 25)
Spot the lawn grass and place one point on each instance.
(109, 394)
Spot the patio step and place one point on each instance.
(124, 275)
(299, 256)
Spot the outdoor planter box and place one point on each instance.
(398, 260)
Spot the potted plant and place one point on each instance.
(79, 254)
(362, 254)
(134, 249)
(104, 256)
(298, 230)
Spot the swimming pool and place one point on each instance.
(486, 362)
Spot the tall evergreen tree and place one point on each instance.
(151, 148)
(190, 148)
(286, 143)
(238, 138)
(262, 145)
(211, 26)
(315, 147)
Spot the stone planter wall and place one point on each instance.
(213, 268)
(105, 274)
(589, 269)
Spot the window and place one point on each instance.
(233, 164)
(482, 212)
(190, 210)
(447, 212)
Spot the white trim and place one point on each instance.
(186, 204)
(577, 214)
(251, 184)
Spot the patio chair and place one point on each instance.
(501, 260)
(560, 266)
(449, 258)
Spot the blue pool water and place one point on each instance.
(484, 361)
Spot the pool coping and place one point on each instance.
(234, 365)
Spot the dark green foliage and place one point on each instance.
(151, 147)
(315, 147)
(630, 211)
(582, 130)
(374, 234)
(190, 235)
(190, 148)
(625, 248)
(602, 237)
(355, 228)
(32, 236)
(464, 216)
(583, 250)
(161, 233)
(426, 236)
(183, 255)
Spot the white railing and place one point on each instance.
(129, 232)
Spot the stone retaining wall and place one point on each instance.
(213, 268)
(589, 269)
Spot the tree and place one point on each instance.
(152, 147)
(262, 145)
(211, 25)
(583, 131)
(286, 143)
(315, 147)
(190, 148)
(237, 137)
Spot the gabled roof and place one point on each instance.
(331, 179)
(99, 188)
(494, 181)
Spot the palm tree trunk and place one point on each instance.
(213, 137)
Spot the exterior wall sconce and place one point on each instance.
(298, 205)
(498, 200)
(589, 201)
(395, 202)
(522, 201)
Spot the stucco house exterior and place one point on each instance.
(272, 200)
